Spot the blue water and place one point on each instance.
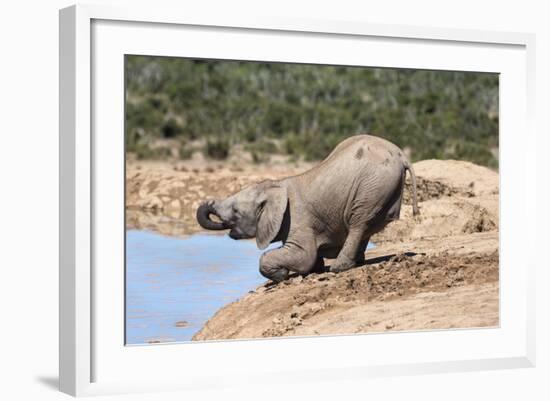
(171, 279)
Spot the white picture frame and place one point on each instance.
(93, 358)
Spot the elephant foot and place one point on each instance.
(276, 275)
(279, 275)
(343, 263)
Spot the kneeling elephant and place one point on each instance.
(330, 211)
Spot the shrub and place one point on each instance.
(171, 128)
(217, 148)
(310, 108)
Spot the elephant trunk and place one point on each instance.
(203, 217)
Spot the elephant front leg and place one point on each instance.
(278, 263)
(352, 253)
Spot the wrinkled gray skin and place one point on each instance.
(330, 211)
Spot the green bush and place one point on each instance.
(263, 146)
(217, 148)
(171, 129)
(310, 108)
(310, 146)
(145, 152)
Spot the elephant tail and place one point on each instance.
(409, 167)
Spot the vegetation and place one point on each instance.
(305, 110)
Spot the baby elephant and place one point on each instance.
(330, 211)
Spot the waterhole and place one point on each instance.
(175, 284)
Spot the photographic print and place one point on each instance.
(268, 199)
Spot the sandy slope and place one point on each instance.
(430, 287)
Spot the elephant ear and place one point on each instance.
(273, 207)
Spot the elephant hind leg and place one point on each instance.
(360, 255)
(352, 252)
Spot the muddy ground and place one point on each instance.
(438, 270)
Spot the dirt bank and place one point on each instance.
(438, 270)
(398, 289)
